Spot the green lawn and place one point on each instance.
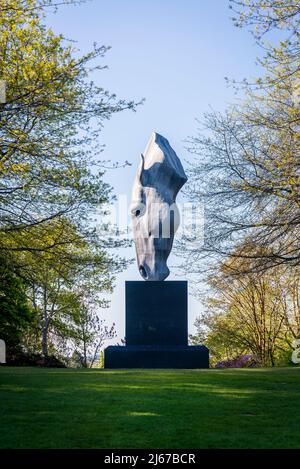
(257, 408)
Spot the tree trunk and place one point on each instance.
(45, 325)
(45, 342)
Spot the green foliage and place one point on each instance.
(49, 127)
(65, 286)
(51, 175)
(15, 313)
(251, 314)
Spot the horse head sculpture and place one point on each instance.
(155, 216)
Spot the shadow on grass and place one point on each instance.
(150, 408)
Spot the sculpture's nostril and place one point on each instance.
(143, 272)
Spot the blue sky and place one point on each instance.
(173, 53)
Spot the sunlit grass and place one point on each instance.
(67, 408)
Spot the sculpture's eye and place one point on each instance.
(138, 210)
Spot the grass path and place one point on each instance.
(64, 408)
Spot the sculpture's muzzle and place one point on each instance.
(159, 272)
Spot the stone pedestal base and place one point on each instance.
(156, 329)
(139, 356)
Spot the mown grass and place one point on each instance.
(157, 409)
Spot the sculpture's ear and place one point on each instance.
(141, 168)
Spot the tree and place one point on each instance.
(16, 316)
(89, 335)
(60, 279)
(246, 167)
(265, 16)
(49, 127)
(250, 313)
(289, 294)
(51, 176)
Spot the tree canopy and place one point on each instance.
(50, 125)
(52, 182)
(246, 167)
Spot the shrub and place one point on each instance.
(21, 358)
(242, 361)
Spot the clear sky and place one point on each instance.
(173, 53)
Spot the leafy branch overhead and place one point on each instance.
(50, 124)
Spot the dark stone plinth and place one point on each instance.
(156, 329)
(156, 313)
(139, 356)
